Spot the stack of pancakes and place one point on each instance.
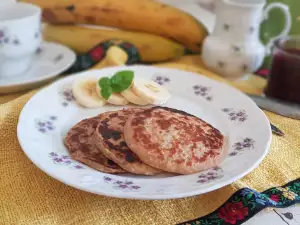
(146, 141)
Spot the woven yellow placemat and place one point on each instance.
(28, 196)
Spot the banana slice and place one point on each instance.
(133, 98)
(85, 93)
(115, 98)
(115, 56)
(150, 91)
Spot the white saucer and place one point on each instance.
(50, 61)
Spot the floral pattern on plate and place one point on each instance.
(241, 146)
(210, 175)
(58, 58)
(45, 125)
(129, 185)
(67, 96)
(64, 160)
(203, 91)
(236, 115)
(162, 80)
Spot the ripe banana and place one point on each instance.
(150, 91)
(136, 15)
(85, 94)
(152, 48)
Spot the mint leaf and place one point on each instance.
(106, 92)
(118, 83)
(105, 87)
(122, 80)
(104, 82)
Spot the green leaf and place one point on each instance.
(245, 201)
(219, 222)
(106, 92)
(205, 222)
(252, 205)
(236, 199)
(104, 82)
(249, 196)
(214, 216)
(122, 80)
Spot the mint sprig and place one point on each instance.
(121, 80)
(105, 87)
(104, 82)
(117, 83)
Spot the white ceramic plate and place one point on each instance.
(49, 115)
(49, 62)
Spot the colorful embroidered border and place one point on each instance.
(246, 203)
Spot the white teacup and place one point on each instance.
(20, 37)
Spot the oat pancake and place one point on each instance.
(81, 147)
(109, 138)
(174, 141)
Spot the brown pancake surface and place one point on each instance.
(79, 143)
(174, 141)
(109, 138)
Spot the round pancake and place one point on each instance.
(174, 141)
(109, 138)
(79, 143)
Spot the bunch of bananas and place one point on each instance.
(160, 32)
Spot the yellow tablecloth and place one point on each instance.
(28, 196)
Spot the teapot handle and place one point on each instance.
(287, 26)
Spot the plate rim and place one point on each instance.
(49, 75)
(137, 195)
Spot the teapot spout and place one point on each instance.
(209, 5)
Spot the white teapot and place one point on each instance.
(233, 49)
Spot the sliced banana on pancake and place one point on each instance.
(115, 98)
(133, 98)
(150, 91)
(85, 93)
